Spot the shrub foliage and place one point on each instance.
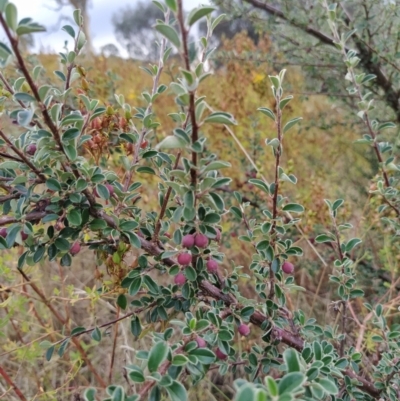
(76, 174)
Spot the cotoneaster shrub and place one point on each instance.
(60, 195)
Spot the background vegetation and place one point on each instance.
(322, 151)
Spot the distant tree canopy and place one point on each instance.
(134, 29)
(301, 36)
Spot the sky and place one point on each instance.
(101, 12)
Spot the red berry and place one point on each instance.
(95, 193)
(200, 240)
(24, 236)
(180, 279)
(144, 144)
(184, 259)
(212, 266)
(75, 248)
(201, 343)
(188, 241)
(110, 189)
(3, 232)
(31, 149)
(244, 330)
(287, 268)
(220, 354)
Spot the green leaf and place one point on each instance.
(24, 97)
(70, 134)
(133, 239)
(179, 360)
(220, 117)
(199, 13)
(169, 33)
(103, 191)
(96, 334)
(12, 235)
(122, 301)
(49, 353)
(352, 244)
(74, 217)
(171, 142)
(145, 170)
(293, 207)
(97, 224)
(151, 284)
(204, 355)
(291, 123)
(90, 394)
(171, 4)
(135, 286)
(268, 112)
(12, 16)
(216, 165)
(118, 394)
(53, 185)
(324, 238)
(77, 14)
(272, 386)
(291, 382)
(77, 330)
(176, 391)
(157, 356)
(62, 244)
(128, 225)
(245, 393)
(136, 374)
(285, 101)
(386, 125)
(328, 385)
(69, 29)
(291, 359)
(26, 29)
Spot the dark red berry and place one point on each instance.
(3, 232)
(201, 343)
(180, 279)
(287, 268)
(110, 189)
(200, 240)
(212, 266)
(31, 149)
(24, 236)
(244, 330)
(144, 144)
(220, 354)
(184, 259)
(75, 248)
(188, 241)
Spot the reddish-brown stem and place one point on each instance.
(23, 157)
(149, 108)
(278, 152)
(12, 384)
(192, 108)
(165, 203)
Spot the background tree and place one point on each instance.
(133, 27)
(301, 36)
